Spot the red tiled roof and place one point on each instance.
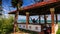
(38, 4)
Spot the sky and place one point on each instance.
(6, 4)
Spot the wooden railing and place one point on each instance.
(31, 27)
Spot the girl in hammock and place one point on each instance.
(33, 20)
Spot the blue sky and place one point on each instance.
(7, 5)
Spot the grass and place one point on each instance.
(58, 32)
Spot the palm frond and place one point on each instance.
(15, 2)
(0, 1)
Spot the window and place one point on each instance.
(42, 19)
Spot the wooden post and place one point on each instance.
(56, 18)
(39, 19)
(52, 19)
(27, 19)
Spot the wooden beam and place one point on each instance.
(52, 19)
(56, 18)
(27, 19)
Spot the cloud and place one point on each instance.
(5, 11)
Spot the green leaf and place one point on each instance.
(15, 2)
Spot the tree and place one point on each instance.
(0, 1)
(17, 4)
(0, 7)
(6, 25)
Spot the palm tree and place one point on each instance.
(0, 1)
(17, 4)
(0, 7)
(36, 1)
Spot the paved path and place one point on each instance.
(20, 33)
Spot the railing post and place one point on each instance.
(52, 19)
(27, 19)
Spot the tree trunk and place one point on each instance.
(16, 17)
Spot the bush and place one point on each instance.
(58, 32)
(6, 25)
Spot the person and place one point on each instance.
(48, 29)
(33, 20)
(45, 29)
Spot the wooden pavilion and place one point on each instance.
(51, 7)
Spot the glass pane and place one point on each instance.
(22, 19)
(42, 19)
(49, 19)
